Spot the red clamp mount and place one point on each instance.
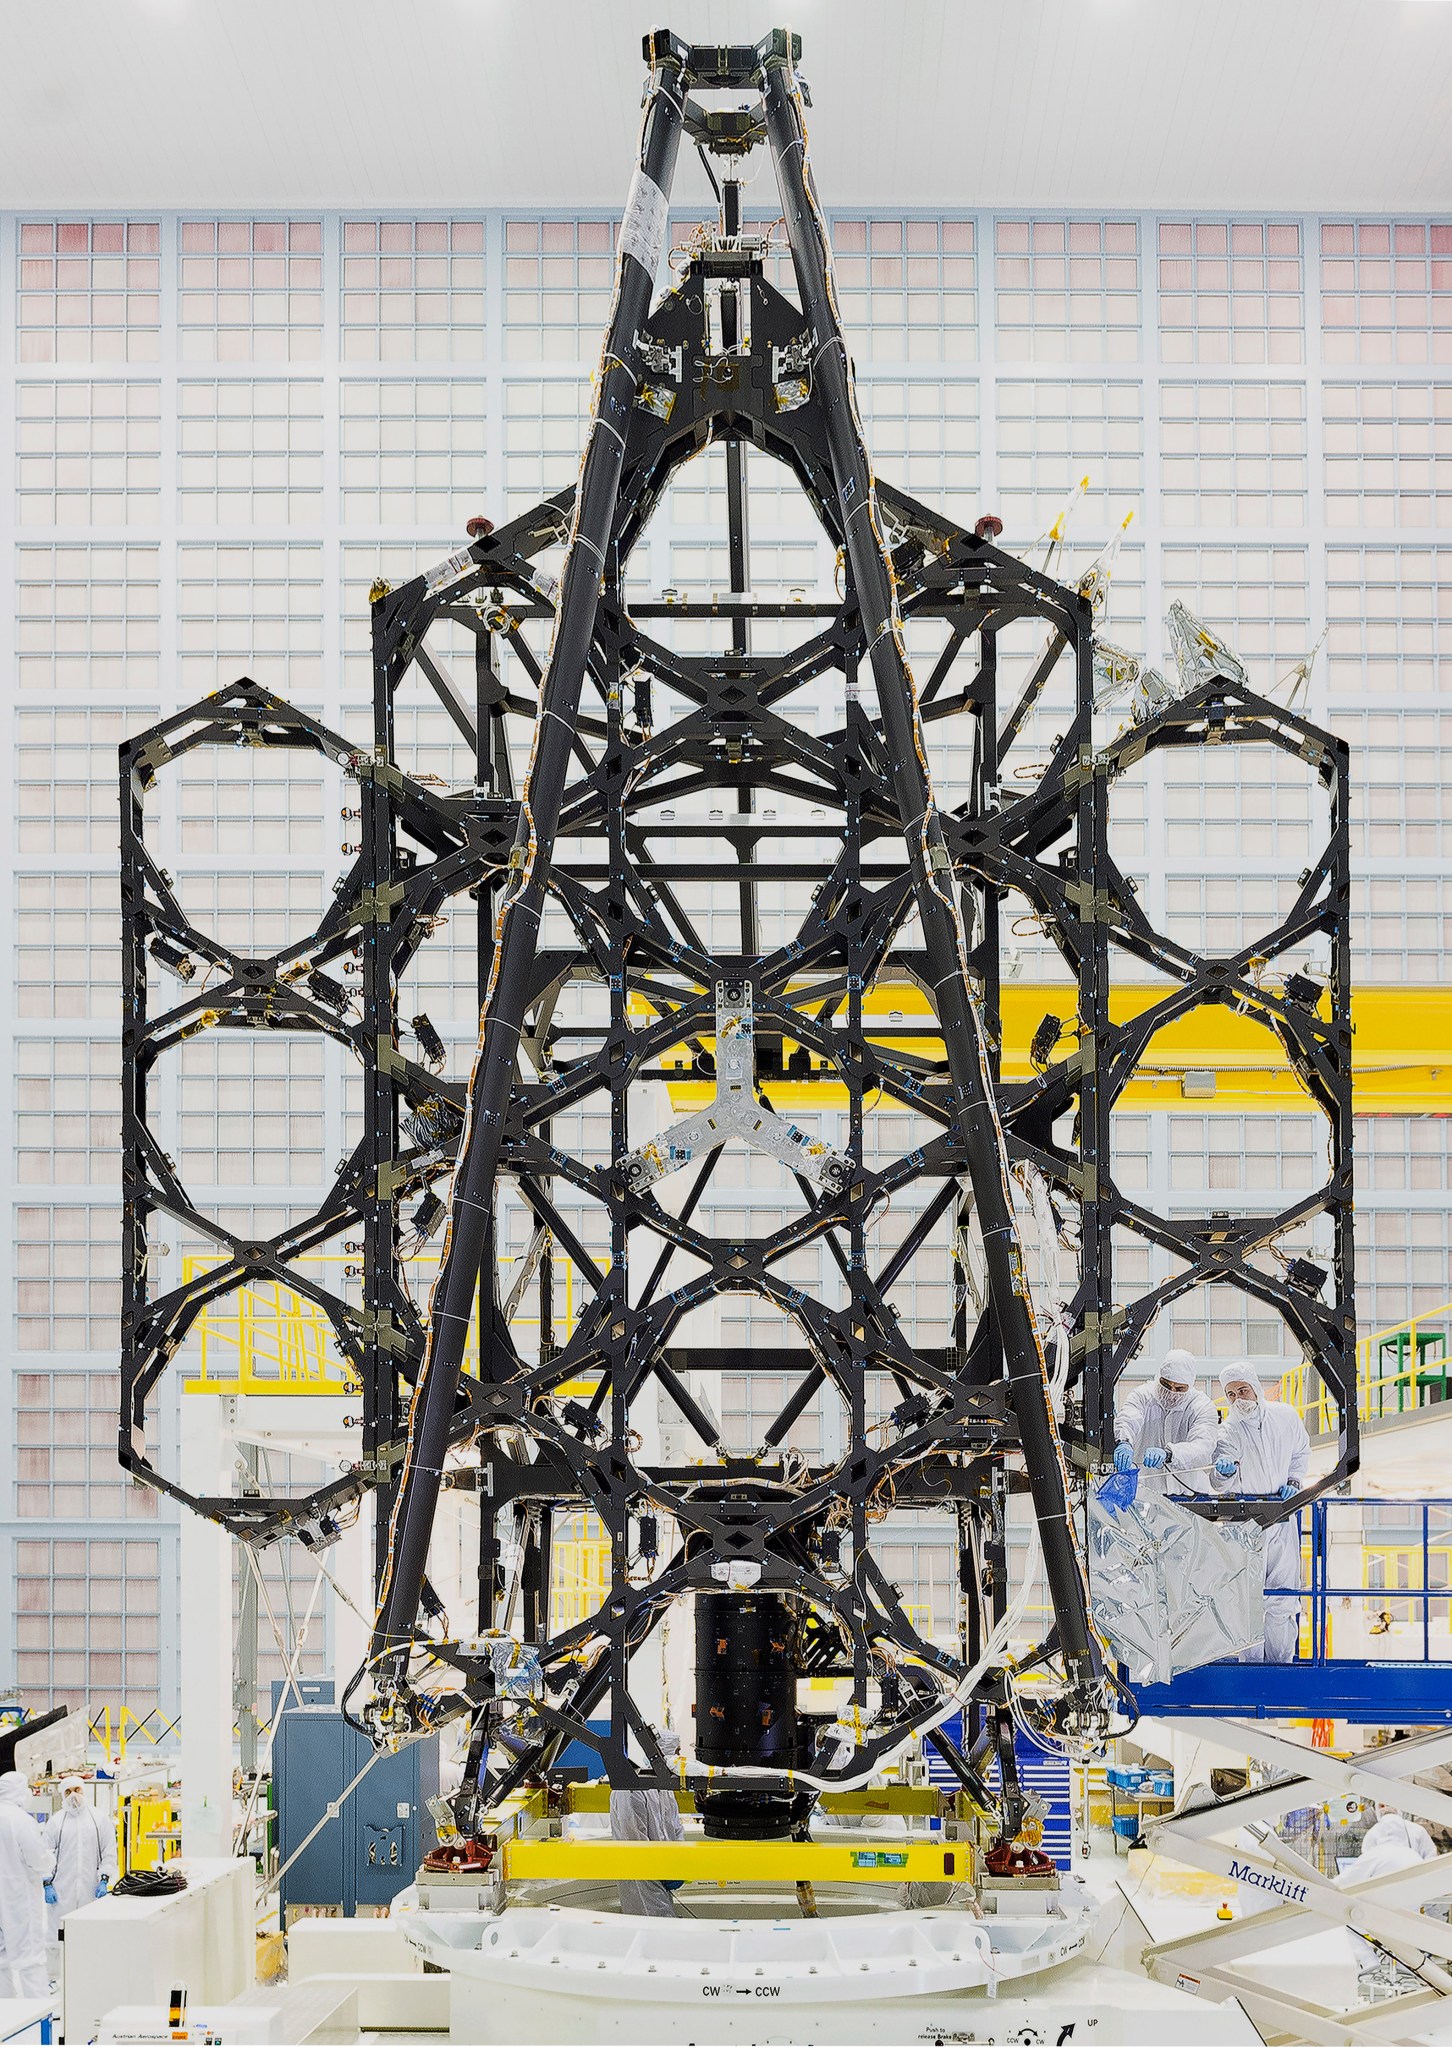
(1016, 1858)
(467, 1856)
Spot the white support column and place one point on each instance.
(206, 1636)
(350, 1566)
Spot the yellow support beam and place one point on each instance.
(725, 1862)
(522, 1810)
(908, 1801)
(916, 1801)
(267, 1339)
(1401, 1059)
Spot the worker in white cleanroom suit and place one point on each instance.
(649, 1816)
(83, 1845)
(25, 1861)
(1392, 1835)
(1166, 1430)
(1263, 1450)
(1394, 1843)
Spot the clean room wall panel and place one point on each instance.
(220, 430)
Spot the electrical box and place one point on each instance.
(366, 1854)
(148, 1830)
(314, 1691)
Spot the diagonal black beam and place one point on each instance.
(937, 908)
(522, 909)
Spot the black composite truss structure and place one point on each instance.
(570, 855)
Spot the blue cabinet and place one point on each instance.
(368, 1852)
(1040, 1772)
(316, 1691)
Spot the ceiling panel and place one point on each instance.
(1253, 104)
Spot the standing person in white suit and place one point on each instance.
(649, 1816)
(1166, 1430)
(1263, 1450)
(25, 1860)
(84, 1848)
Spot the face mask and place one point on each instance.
(1246, 1406)
(1171, 1396)
(75, 1800)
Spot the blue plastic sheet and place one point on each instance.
(1118, 1491)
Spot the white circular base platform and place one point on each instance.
(744, 1965)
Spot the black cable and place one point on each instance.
(1131, 1703)
(706, 167)
(149, 1883)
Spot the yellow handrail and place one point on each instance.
(1378, 1392)
(111, 1734)
(579, 1571)
(266, 1338)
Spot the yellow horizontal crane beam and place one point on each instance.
(1214, 1058)
(725, 1862)
(265, 1339)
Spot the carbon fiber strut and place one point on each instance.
(517, 932)
(933, 884)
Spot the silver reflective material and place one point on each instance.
(1118, 673)
(1200, 655)
(1171, 1591)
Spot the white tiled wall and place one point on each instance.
(216, 432)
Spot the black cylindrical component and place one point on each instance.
(746, 1698)
(746, 1709)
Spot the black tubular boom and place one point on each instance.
(943, 935)
(516, 936)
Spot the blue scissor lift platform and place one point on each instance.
(1400, 1690)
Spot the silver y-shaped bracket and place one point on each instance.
(736, 1111)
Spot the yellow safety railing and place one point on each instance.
(113, 1729)
(919, 1617)
(266, 1338)
(1397, 1568)
(1398, 1370)
(579, 1570)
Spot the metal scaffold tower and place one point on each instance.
(673, 744)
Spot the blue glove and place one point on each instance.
(1288, 1491)
(1153, 1459)
(1123, 1457)
(50, 1896)
(103, 1886)
(1225, 1466)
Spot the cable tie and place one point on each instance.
(604, 425)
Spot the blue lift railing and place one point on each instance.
(1409, 1683)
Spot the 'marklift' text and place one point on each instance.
(1246, 1873)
